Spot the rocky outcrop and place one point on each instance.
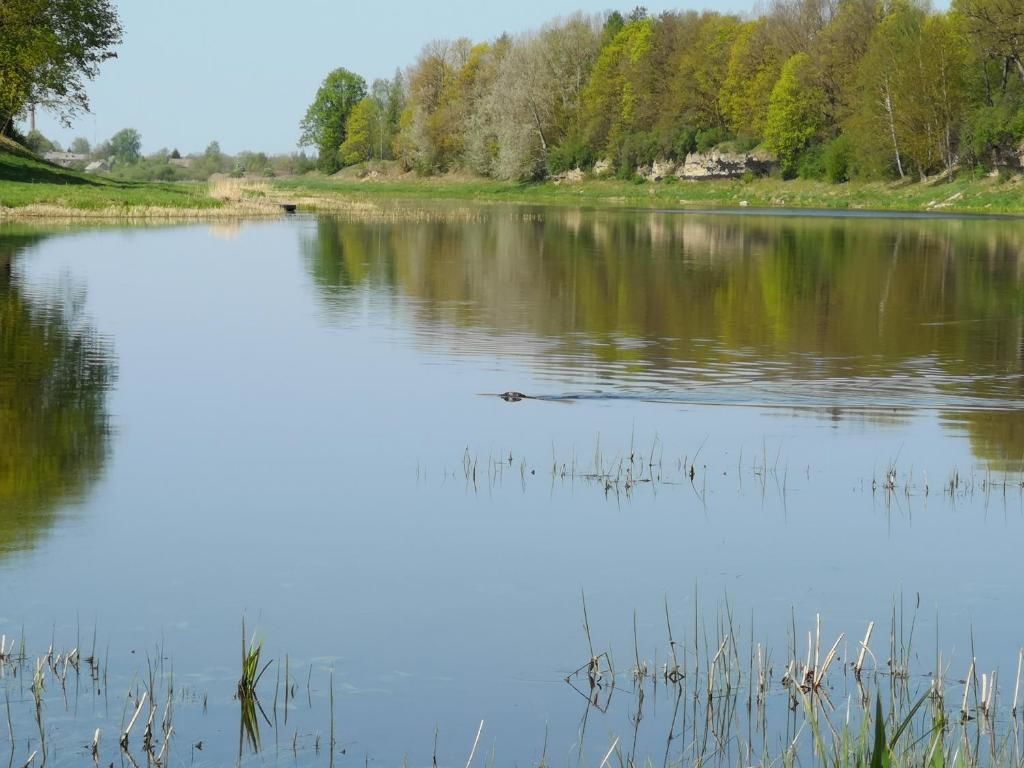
(724, 165)
(658, 170)
(1020, 156)
(575, 176)
(700, 165)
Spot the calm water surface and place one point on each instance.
(297, 422)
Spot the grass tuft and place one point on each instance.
(252, 672)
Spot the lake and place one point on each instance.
(744, 421)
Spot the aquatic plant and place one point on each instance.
(252, 672)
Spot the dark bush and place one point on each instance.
(811, 163)
(572, 153)
(837, 159)
(709, 138)
(684, 142)
(636, 150)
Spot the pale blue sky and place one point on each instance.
(243, 71)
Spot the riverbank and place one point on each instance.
(33, 190)
(968, 196)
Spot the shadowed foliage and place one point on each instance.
(55, 373)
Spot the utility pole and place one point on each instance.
(32, 120)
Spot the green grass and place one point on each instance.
(26, 180)
(963, 195)
(251, 669)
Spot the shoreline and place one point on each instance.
(249, 199)
(985, 196)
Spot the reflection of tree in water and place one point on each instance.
(997, 437)
(918, 307)
(55, 373)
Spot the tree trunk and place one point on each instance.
(949, 151)
(887, 101)
(1020, 66)
(540, 128)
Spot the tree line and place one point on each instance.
(834, 89)
(123, 159)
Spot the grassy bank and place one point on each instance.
(963, 195)
(33, 189)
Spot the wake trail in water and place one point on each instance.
(816, 398)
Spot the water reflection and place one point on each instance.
(829, 313)
(55, 373)
(997, 437)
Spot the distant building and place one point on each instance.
(98, 165)
(181, 162)
(65, 159)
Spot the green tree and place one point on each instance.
(252, 162)
(796, 111)
(212, 161)
(754, 65)
(908, 90)
(943, 94)
(126, 145)
(362, 133)
(444, 97)
(613, 24)
(40, 144)
(25, 47)
(998, 26)
(457, 99)
(528, 96)
(880, 123)
(50, 49)
(909, 111)
(80, 146)
(994, 118)
(702, 70)
(838, 51)
(213, 154)
(324, 125)
(390, 99)
(611, 99)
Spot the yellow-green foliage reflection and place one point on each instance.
(691, 296)
(55, 373)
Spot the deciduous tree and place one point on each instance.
(912, 92)
(126, 145)
(998, 25)
(796, 111)
(702, 71)
(324, 124)
(880, 122)
(754, 66)
(361, 133)
(50, 49)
